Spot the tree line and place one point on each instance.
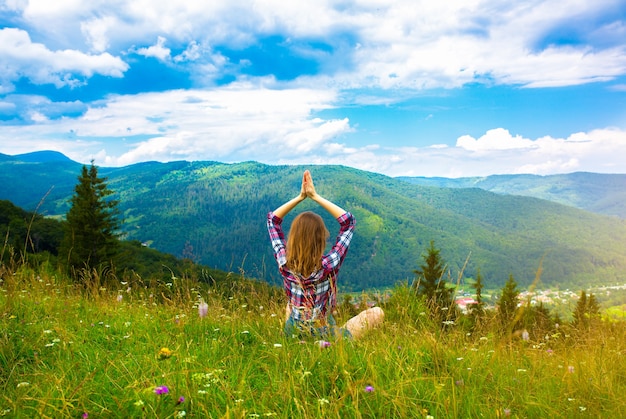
(528, 320)
(88, 239)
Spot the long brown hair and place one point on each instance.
(306, 243)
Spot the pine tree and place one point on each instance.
(579, 315)
(90, 238)
(507, 305)
(587, 309)
(593, 308)
(478, 309)
(431, 283)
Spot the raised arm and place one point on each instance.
(285, 208)
(334, 210)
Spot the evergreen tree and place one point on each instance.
(90, 237)
(579, 316)
(478, 309)
(431, 283)
(586, 310)
(507, 305)
(593, 308)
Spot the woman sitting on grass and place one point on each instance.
(309, 275)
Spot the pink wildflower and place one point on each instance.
(203, 309)
(369, 389)
(161, 390)
(324, 344)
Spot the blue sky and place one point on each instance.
(407, 87)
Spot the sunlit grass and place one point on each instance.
(68, 351)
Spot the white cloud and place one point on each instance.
(235, 122)
(158, 51)
(192, 53)
(495, 139)
(250, 122)
(404, 43)
(22, 57)
(96, 32)
(596, 151)
(314, 135)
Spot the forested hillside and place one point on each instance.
(214, 213)
(30, 237)
(596, 192)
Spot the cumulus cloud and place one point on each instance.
(244, 122)
(158, 51)
(96, 32)
(597, 150)
(406, 43)
(191, 53)
(23, 58)
(495, 139)
(232, 123)
(496, 152)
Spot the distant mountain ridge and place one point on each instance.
(45, 156)
(214, 213)
(595, 192)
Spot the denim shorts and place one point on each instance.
(303, 329)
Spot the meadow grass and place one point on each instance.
(140, 349)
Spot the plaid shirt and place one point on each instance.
(311, 297)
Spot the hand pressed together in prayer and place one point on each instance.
(308, 188)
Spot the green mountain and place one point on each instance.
(214, 214)
(595, 192)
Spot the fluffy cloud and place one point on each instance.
(158, 51)
(405, 43)
(238, 122)
(496, 152)
(243, 122)
(23, 58)
(495, 139)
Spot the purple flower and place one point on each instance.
(203, 309)
(369, 389)
(85, 415)
(181, 399)
(161, 390)
(324, 343)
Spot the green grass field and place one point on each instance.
(140, 349)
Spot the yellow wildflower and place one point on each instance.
(165, 353)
